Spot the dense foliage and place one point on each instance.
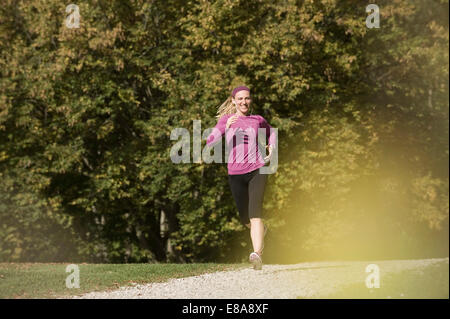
(86, 115)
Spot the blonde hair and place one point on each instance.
(226, 108)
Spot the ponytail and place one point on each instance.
(226, 108)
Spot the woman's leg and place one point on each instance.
(257, 234)
(239, 190)
(256, 197)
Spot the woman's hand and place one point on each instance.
(231, 120)
(268, 157)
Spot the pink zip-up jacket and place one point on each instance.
(245, 155)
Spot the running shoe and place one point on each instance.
(256, 261)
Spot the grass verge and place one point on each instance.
(48, 280)
(429, 282)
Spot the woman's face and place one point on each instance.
(242, 101)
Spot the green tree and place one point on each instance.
(86, 116)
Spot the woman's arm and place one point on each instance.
(217, 132)
(271, 135)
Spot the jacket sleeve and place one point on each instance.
(217, 132)
(270, 134)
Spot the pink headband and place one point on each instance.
(239, 88)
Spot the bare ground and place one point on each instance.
(303, 280)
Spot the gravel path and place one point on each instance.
(305, 280)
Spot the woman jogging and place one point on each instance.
(244, 162)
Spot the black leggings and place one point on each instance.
(248, 193)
